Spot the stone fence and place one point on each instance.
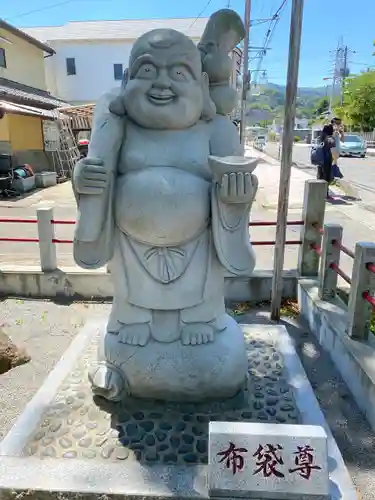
(50, 280)
(362, 283)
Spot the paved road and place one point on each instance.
(359, 173)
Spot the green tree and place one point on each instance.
(322, 106)
(358, 108)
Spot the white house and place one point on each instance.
(91, 56)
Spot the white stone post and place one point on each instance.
(363, 280)
(332, 238)
(46, 233)
(314, 204)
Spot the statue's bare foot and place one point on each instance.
(108, 382)
(197, 334)
(137, 334)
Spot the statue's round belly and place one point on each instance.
(162, 206)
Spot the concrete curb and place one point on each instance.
(353, 359)
(341, 485)
(74, 284)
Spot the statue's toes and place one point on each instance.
(186, 337)
(207, 337)
(135, 334)
(210, 336)
(144, 337)
(196, 339)
(123, 336)
(197, 334)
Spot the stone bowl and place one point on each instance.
(221, 165)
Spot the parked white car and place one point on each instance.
(353, 145)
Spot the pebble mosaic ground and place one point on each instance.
(74, 426)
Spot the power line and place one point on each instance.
(42, 9)
(269, 35)
(201, 12)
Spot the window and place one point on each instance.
(117, 71)
(3, 61)
(70, 66)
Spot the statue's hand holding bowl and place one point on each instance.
(234, 176)
(90, 176)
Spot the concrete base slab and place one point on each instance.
(51, 412)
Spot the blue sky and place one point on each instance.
(324, 23)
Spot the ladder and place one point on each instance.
(67, 153)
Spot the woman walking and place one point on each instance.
(338, 135)
(325, 168)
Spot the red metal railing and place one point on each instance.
(72, 222)
(343, 248)
(341, 273)
(18, 221)
(371, 267)
(66, 222)
(317, 249)
(366, 295)
(370, 300)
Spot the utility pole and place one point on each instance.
(245, 73)
(334, 78)
(340, 71)
(286, 154)
(345, 73)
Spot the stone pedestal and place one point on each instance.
(177, 372)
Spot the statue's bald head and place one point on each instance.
(165, 87)
(172, 44)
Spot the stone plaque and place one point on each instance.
(267, 460)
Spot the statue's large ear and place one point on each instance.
(125, 78)
(117, 105)
(209, 108)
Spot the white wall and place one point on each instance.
(94, 68)
(94, 62)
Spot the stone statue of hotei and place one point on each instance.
(164, 196)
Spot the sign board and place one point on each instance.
(51, 135)
(256, 460)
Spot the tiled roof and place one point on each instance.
(122, 29)
(23, 94)
(12, 108)
(26, 36)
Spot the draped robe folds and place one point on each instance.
(211, 237)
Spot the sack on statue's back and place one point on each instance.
(317, 155)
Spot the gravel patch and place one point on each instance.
(44, 330)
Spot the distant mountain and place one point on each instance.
(266, 102)
(302, 91)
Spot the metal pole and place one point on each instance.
(245, 75)
(334, 79)
(286, 154)
(345, 74)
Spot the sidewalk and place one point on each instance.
(268, 174)
(357, 223)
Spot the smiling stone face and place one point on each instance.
(164, 89)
